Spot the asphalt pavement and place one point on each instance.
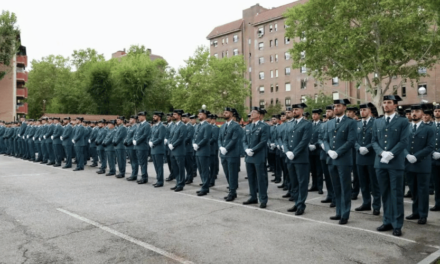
(51, 215)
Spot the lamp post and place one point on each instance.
(203, 107)
(422, 91)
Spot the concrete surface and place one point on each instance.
(50, 215)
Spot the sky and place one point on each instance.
(171, 29)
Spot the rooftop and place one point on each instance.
(226, 28)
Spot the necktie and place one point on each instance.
(365, 124)
(226, 128)
(337, 121)
(415, 128)
(294, 123)
(388, 120)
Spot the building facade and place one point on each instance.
(260, 37)
(13, 91)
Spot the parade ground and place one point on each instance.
(51, 215)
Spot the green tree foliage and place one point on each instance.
(320, 102)
(364, 41)
(216, 83)
(101, 87)
(9, 42)
(274, 110)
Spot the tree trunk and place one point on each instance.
(377, 101)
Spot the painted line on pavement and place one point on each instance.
(128, 238)
(312, 220)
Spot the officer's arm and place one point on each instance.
(122, 134)
(404, 134)
(430, 146)
(304, 143)
(263, 139)
(374, 140)
(325, 138)
(181, 136)
(143, 136)
(220, 136)
(206, 135)
(244, 141)
(234, 138)
(189, 134)
(351, 139)
(285, 139)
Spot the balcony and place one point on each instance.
(22, 109)
(22, 76)
(22, 92)
(22, 60)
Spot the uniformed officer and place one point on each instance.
(176, 145)
(193, 120)
(213, 159)
(189, 156)
(352, 113)
(408, 114)
(255, 145)
(30, 131)
(21, 146)
(418, 164)
(202, 147)
(99, 147)
(67, 143)
(230, 151)
(314, 154)
(390, 138)
(365, 156)
(2, 141)
(436, 159)
(56, 142)
(170, 126)
(87, 132)
(140, 142)
(158, 133)
(109, 147)
(92, 142)
(128, 142)
(339, 140)
(296, 142)
(279, 141)
(273, 147)
(118, 142)
(323, 157)
(47, 136)
(37, 142)
(79, 143)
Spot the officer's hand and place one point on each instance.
(18, 135)
(27, 136)
(151, 144)
(51, 137)
(278, 147)
(411, 158)
(290, 155)
(436, 155)
(61, 137)
(322, 146)
(134, 142)
(44, 137)
(73, 141)
(165, 141)
(363, 150)
(223, 150)
(40, 139)
(171, 146)
(196, 147)
(249, 152)
(33, 138)
(312, 147)
(332, 154)
(387, 155)
(272, 146)
(90, 141)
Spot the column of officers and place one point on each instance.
(374, 156)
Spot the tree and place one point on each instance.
(209, 81)
(9, 40)
(274, 109)
(364, 41)
(101, 87)
(82, 57)
(320, 102)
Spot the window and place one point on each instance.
(270, 43)
(227, 39)
(223, 41)
(286, 40)
(235, 38)
(227, 54)
(403, 91)
(287, 71)
(395, 89)
(215, 43)
(277, 101)
(271, 74)
(260, 32)
(287, 56)
(271, 58)
(422, 70)
(287, 101)
(262, 103)
(261, 46)
(261, 75)
(303, 98)
(223, 54)
(276, 73)
(303, 55)
(216, 55)
(276, 27)
(303, 69)
(335, 81)
(261, 60)
(249, 41)
(276, 57)
(270, 28)
(287, 87)
(271, 88)
(276, 87)
(303, 36)
(271, 101)
(235, 52)
(250, 69)
(261, 89)
(276, 42)
(419, 89)
(335, 95)
(303, 84)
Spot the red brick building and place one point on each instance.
(260, 37)
(13, 89)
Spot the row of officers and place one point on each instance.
(375, 156)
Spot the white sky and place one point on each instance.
(172, 29)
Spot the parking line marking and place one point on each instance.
(311, 220)
(128, 238)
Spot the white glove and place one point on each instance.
(272, 146)
(282, 147)
(387, 155)
(27, 136)
(322, 146)
(436, 155)
(18, 135)
(171, 146)
(223, 150)
(165, 141)
(150, 143)
(332, 154)
(134, 142)
(363, 150)
(249, 152)
(90, 141)
(411, 158)
(44, 137)
(51, 137)
(73, 141)
(23, 137)
(33, 138)
(312, 147)
(61, 137)
(196, 147)
(278, 147)
(290, 155)
(40, 139)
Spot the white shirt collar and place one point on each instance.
(340, 118)
(390, 116)
(143, 122)
(177, 123)
(228, 122)
(368, 119)
(256, 123)
(417, 124)
(299, 120)
(316, 122)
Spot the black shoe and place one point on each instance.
(354, 197)
(188, 182)
(397, 232)
(77, 169)
(435, 209)
(142, 181)
(343, 221)
(313, 189)
(412, 217)
(281, 186)
(101, 172)
(291, 199)
(277, 181)
(287, 195)
(119, 176)
(250, 202)
(57, 165)
(263, 205)
(327, 200)
(332, 205)
(178, 189)
(212, 185)
(384, 228)
(293, 209)
(231, 197)
(65, 167)
(408, 195)
(422, 221)
(52, 163)
(173, 188)
(157, 185)
(43, 162)
(94, 165)
(336, 217)
(246, 178)
(110, 174)
(320, 192)
(202, 193)
(431, 192)
(363, 208)
(285, 188)
(272, 180)
(376, 212)
(131, 178)
(299, 212)
(169, 179)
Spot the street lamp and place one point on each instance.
(203, 107)
(422, 91)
